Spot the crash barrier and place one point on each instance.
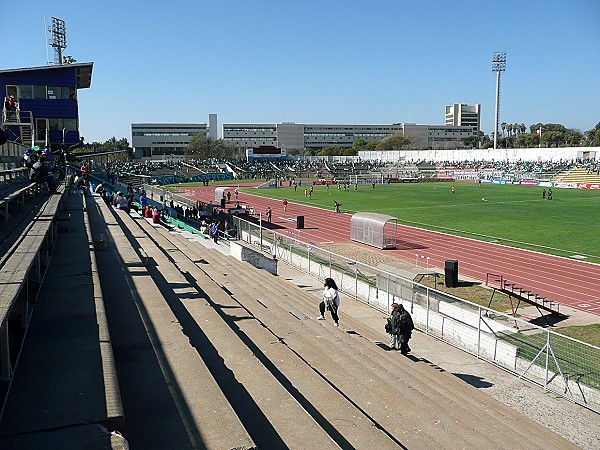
(557, 363)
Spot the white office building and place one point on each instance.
(289, 135)
(464, 115)
(163, 140)
(169, 140)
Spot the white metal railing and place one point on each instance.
(557, 363)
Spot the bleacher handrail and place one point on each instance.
(480, 325)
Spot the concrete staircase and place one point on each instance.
(247, 365)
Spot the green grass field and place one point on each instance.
(509, 214)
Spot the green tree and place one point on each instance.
(592, 137)
(110, 145)
(471, 141)
(330, 151)
(395, 142)
(203, 147)
(359, 144)
(352, 151)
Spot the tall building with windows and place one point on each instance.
(163, 140)
(464, 116)
(289, 135)
(166, 141)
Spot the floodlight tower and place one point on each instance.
(498, 65)
(58, 38)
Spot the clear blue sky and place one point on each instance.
(338, 62)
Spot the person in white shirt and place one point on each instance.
(331, 301)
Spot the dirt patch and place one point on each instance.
(366, 256)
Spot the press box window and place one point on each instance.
(26, 91)
(54, 92)
(39, 92)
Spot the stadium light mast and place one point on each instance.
(498, 65)
(58, 38)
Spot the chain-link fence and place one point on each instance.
(558, 363)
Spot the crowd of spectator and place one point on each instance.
(302, 168)
(509, 170)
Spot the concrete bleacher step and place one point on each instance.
(281, 365)
(66, 375)
(497, 419)
(416, 383)
(256, 276)
(341, 374)
(197, 397)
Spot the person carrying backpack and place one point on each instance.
(405, 327)
(392, 327)
(39, 174)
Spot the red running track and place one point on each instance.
(562, 280)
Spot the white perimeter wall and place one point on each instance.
(504, 154)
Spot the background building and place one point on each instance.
(212, 126)
(464, 115)
(163, 140)
(289, 135)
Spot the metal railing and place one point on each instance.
(557, 363)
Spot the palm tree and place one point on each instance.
(503, 126)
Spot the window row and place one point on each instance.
(57, 124)
(161, 133)
(35, 92)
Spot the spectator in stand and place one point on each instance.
(214, 231)
(48, 154)
(39, 173)
(143, 199)
(117, 199)
(107, 197)
(155, 216)
(30, 158)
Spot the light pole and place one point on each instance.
(498, 65)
